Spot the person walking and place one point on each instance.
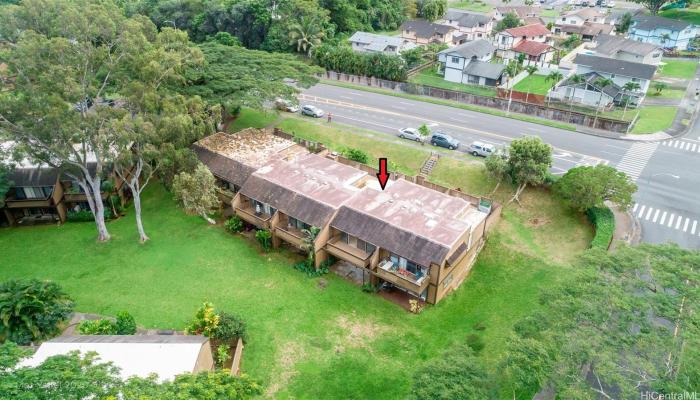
(330, 116)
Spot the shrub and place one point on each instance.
(205, 321)
(86, 215)
(475, 342)
(603, 220)
(234, 224)
(31, 310)
(230, 327)
(307, 267)
(222, 355)
(264, 237)
(126, 324)
(97, 327)
(356, 155)
(370, 288)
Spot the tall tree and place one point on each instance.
(510, 20)
(601, 84)
(554, 77)
(196, 192)
(67, 62)
(624, 24)
(586, 187)
(5, 182)
(529, 160)
(652, 5)
(629, 88)
(574, 81)
(433, 9)
(531, 69)
(305, 34)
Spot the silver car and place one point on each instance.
(410, 134)
(312, 111)
(482, 149)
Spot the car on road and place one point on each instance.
(444, 140)
(312, 111)
(286, 105)
(482, 149)
(410, 134)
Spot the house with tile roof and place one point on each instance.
(420, 32)
(532, 41)
(470, 63)
(469, 25)
(627, 49)
(366, 42)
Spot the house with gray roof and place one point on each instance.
(596, 70)
(664, 32)
(470, 63)
(469, 25)
(628, 50)
(373, 43)
(420, 32)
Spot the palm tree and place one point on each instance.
(602, 84)
(308, 244)
(575, 80)
(665, 38)
(530, 70)
(305, 34)
(629, 87)
(554, 77)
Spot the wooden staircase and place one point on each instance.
(429, 164)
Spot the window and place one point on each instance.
(295, 223)
(344, 237)
(455, 60)
(261, 207)
(33, 192)
(635, 79)
(473, 79)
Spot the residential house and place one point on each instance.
(587, 23)
(289, 197)
(469, 63)
(373, 43)
(166, 356)
(469, 25)
(588, 32)
(232, 158)
(627, 50)
(664, 32)
(594, 69)
(415, 239)
(410, 237)
(423, 32)
(581, 16)
(523, 12)
(532, 41)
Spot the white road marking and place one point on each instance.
(636, 159)
(648, 213)
(656, 215)
(678, 222)
(663, 218)
(641, 212)
(634, 209)
(685, 226)
(670, 220)
(695, 225)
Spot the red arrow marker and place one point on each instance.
(383, 174)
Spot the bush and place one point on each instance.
(86, 215)
(222, 355)
(475, 342)
(344, 59)
(369, 288)
(126, 324)
(264, 237)
(307, 267)
(97, 327)
(230, 327)
(205, 321)
(30, 310)
(603, 220)
(356, 155)
(234, 224)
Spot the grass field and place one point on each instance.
(654, 118)
(430, 77)
(308, 340)
(666, 93)
(685, 14)
(535, 84)
(472, 5)
(678, 69)
(252, 118)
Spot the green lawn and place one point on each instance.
(430, 77)
(472, 5)
(654, 118)
(252, 118)
(535, 84)
(666, 93)
(686, 14)
(678, 69)
(550, 13)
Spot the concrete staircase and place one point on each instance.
(429, 164)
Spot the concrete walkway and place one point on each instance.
(627, 228)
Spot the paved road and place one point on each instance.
(668, 173)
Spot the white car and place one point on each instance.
(312, 111)
(410, 134)
(482, 149)
(611, 4)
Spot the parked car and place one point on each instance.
(312, 111)
(444, 140)
(482, 149)
(410, 134)
(286, 105)
(611, 4)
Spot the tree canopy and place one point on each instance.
(586, 187)
(510, 20)
(458, 374)
(652, 5)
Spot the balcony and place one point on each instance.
(248, 214)
(225, 195)
(389, 272)
(348, 253)
(28, 203)
(81, 197)
(290, 235)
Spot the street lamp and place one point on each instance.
(660, 174)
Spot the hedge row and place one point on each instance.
(603, 220)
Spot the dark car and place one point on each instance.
(444, 140)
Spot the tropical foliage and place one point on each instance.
(344, 59)
(586, 187)
(196, 192)
(31, 310)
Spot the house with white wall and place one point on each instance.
(663, 32)
(469, 25)
(595, 69)
(533, 41)
(523, 12)
(581, 16)
(469, 63)
(365, 42)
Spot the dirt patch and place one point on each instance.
(537, 222)
(356, 333)
(290, 354)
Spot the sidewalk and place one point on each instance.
(627, 229)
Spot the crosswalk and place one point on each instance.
(668, 219)
(636, 158)
(686, 145)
